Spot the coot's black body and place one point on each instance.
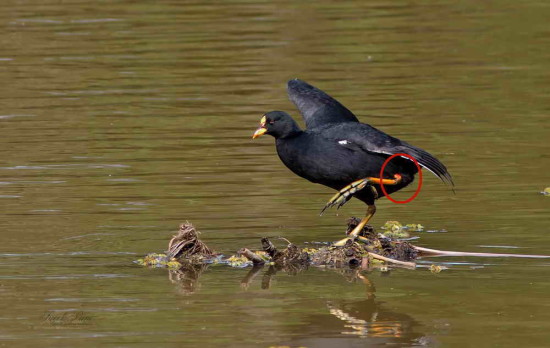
(327, 156)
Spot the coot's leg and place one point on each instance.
(345, 194)
(371, 209)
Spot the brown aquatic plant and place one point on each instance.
(186, 244)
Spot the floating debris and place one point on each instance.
(158, 260)
(397, 234)
(184, 248)
(368, 250)
(392, 226)
(238, 261)
(435, 268)
(414, 227)
(256, 257)
(546, 192)
(187, 245)
(246, 257)
(394, 229)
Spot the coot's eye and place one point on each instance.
(271, 122)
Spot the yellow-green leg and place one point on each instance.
(371, 209)
(342, 196)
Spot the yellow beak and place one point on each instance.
(260, 131)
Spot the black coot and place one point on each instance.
(338, 151)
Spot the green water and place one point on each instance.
(121, 119)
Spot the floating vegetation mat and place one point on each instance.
(188, 257)
(370, 249)
(186, 248)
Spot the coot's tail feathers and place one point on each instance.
(317, 107)
(427, 161)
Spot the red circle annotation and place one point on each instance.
(419, 177)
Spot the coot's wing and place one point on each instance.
(317, 107)
(373, 140)
(424, 158)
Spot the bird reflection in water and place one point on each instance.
(366, 319)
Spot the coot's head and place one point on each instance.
(279, 124)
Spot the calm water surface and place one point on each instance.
(121, 119)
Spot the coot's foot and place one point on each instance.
(345, 194)
(371, 209)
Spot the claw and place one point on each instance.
(342, 202)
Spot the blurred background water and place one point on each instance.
(121, 119)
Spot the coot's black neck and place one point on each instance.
(288, 129)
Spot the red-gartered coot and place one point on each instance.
(338, 151)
